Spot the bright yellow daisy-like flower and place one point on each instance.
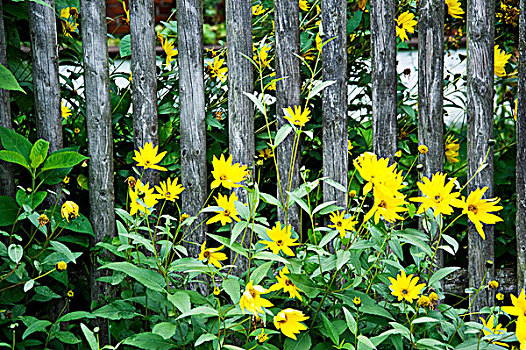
(148, 158)
(69, 27)
(304, 5)
(340, 223)
(169, 49)
(69, 210)
(286, 284)
(261, 57)
(142, 198)
(288, 321)
(258, 10)
(454, 9)
(229, 212)
(265, 153)
(216, 69)
(262, 337)
(422, 149)
(519, 305)
(492, 327)
(64, 110)
(438, 195)
(479, 209)
(406, 287)
(452, 146)
(169, 190)
(212, 255)
(405, 23)
(61, 266)
(280, 239)
(501, 59)
(377, 171)
(252, 301)
(386, 205)
(227, 174)
(296, 116)
(520, 331)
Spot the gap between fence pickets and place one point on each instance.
(457, 282)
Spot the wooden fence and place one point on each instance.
(480, 80)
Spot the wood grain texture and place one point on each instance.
(335, 134)
(193, 125)
(7, 181)
(480, 92)
(44, 54)
(383, 76)
(144, 82)
(240, 109)
(100, 139)
(288, 90)
(521, 154)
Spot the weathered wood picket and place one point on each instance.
(480, 78)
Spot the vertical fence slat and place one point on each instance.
(335, 134)
(240, 108)
(99, 128)
(7, 181)
(383, 76)
(521, 154)
(144, 78)
(44, 53)
(193, 125)
(288, 92)
(481, 18)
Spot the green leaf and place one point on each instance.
(232, 288)
(117, 310)
(270, 199)
(322, 206)
(181, 300)
(90, 337)
(318, 88)
(125, 46)
(12, 141)
(425, 320)
(37, 326)
(351, 322)
(8, 211)
(260, 272)
(305, 284)
(376, 310)
(148, 278)
(58, 160)
(75, 315)
(150, 341)
(8, 80)
(235, 246)
(282, 134)
(336, 185)
(342, 257)
(256, 102)
(205, 311)
(63, 249)
(164, 329)
(67, 337)
(238, 229)
(205, 338)
(80, 224)
(44, 293)
(38, 153)
(303, 343)
(331, 330)
(365, 341)
(13, 157)
(15, 253)
(270, 256)
(31, 199)
(440, 274)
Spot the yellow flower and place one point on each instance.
(130, 180)
(261, 56)
(288, 321)
(252, 301)
(452, 147)
(378, 172)
(499, 296)
(352, 193)
(64, 110)
(70, 294)
(265, 153)
(286, 284)
(520, 331)
(258, 10)
(424, 301)
(76, 130)
(340, 223)
(519, 305)
(433, 297)
(43, 220)
(438, 195)
(493, 284)
(454, 9)
(148, 158)
(64, 13)
(362, 4)
(61, 266)
(169, 49)
(405, 287)
(229, 211)
(141, 198)
(262, 337)
(386, 205)
(398, 154)
(69, 210)
(280, 239)
(184, 216)
(501, 59)
(169, 190)
(304, 5)
(405, 23)
(478, 209)
(492, 328)
(422, 149)
(296, 116)
(65, 179)
(212, 256)
(357, 301)
(227, 174)
(319, 42)
(69, 27)
(349, 147)
(216, 69)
